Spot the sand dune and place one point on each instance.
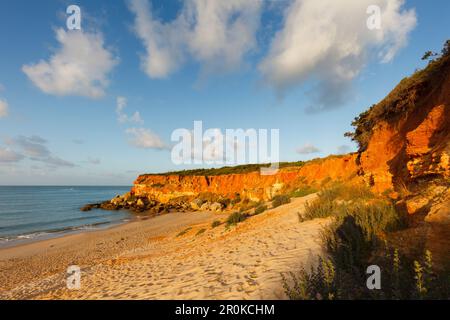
(149, 260)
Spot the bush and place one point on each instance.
(201, 231)
(216, 223)
(319, 283)
(319, 209)
(260, 209)
(280, 200)
(401, 100)
(335, 199)
(353, 242)
(182, 233)
(401, 279)
(235, 218)
(302, 192)
(355, 232)
(236, 200)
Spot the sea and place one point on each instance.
(31, 213)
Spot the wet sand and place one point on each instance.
(151, 260)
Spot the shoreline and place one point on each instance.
(25, 262)
(48, 235)
(172, 256)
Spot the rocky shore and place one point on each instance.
(149, 206)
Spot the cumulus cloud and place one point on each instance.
(328, 42)
(79, 67)
(145, 139)
(35, 149)
(122, 117)
(3, 108)
(9, 156)
(217, 34)
(308, 149)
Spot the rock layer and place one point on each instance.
(253, 186)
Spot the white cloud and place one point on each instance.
(328, 42)
(3, 108)
(217, 34)
(145, 139)
(79, 67)
(308, 149)
(122, 117)
(8, 155)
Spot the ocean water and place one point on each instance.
(34, 213)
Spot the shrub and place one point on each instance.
(260, 209)
(216, 223)
(319, 209)
(355, 232)
(353, 242)
(334, 199)
(302, 192)
(320, 283)
(403, 98)
(248, 205)
(236, 200)
(157, 185)
(235, 218)
(280, 200)
(201, 231)
(182, 233)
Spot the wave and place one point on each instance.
(54, 232)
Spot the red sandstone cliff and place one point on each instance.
(405, 147)
(249, 185)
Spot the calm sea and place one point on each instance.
(33, 213)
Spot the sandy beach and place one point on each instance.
(149, 259)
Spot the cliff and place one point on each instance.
(404, 151)
(409, 137)
(248, 185)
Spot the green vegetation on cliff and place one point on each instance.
(245, 168)
(403, 98)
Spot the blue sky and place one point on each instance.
(57, 131)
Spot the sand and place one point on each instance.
(151, 260)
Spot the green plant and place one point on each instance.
(302, 192)
(157, 185)
(246, 168)
(420, 285)
(235, 218)
(236, 200)
(201, 231)
(260, 209)
(280, 200)
(182, 233)
(402, 99)
(319, 209)
(216, 223)
(319, 283)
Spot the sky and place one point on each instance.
(98, 106)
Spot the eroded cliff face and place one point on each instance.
(249, 185)
(409, 153)
(402, 153)
(406, 154)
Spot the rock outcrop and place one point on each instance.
(405, 141)
(253, 185)
(404, 151)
